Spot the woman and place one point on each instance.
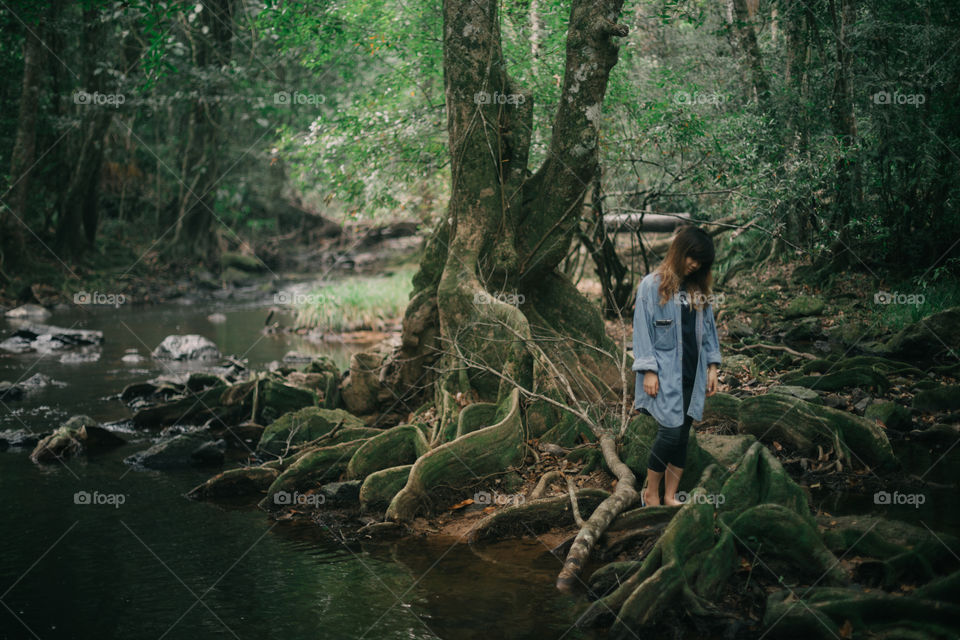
(676, 354)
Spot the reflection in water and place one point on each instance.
(154, 564)
(136, 570)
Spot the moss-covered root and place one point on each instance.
(536, 516)
(323, 464)
(234, 483)
(779, 536)
(669, 572)
(462, 462)
(690, 564)
(892, 552)
(802, 426)
(760, 479)
(400, 445)
(687, 564)
(379, 488)
(830, 613)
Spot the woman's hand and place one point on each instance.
(651, 383)
(712, 372)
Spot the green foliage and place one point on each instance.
(339, 108)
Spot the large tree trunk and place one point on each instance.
(488, 285)
(849, 195)
(750, 49)
(193, 236)
(77, 221)
(24, 151)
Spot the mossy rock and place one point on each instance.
(739, 363)
(803, 393)
(379, 488)
(306, 425)
(803, 426)
(194, 408)
(726, 450)
(802, 306)
(890, 414)
(78, 434)
(321, 364)
(924, 340)
(400, 445)
(803, 331)
(738, 328)
(361, 389)
(940, 398)
(277, 398)
(721, 406)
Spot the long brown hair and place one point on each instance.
(696, 243)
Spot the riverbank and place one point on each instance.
(131, 273)
(810, 408)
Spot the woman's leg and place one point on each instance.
(651, 493)
(661, 453)
(678, 455)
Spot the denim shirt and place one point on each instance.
(658, 346)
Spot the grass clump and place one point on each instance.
(357, 303)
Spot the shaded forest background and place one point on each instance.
(140, 136)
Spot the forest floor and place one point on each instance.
(752, 310)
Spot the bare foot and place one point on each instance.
(671, 502)
(651, 499)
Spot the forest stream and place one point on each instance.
(134, 567)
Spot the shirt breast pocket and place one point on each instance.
(664, 334)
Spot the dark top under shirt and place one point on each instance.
(688, 320)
